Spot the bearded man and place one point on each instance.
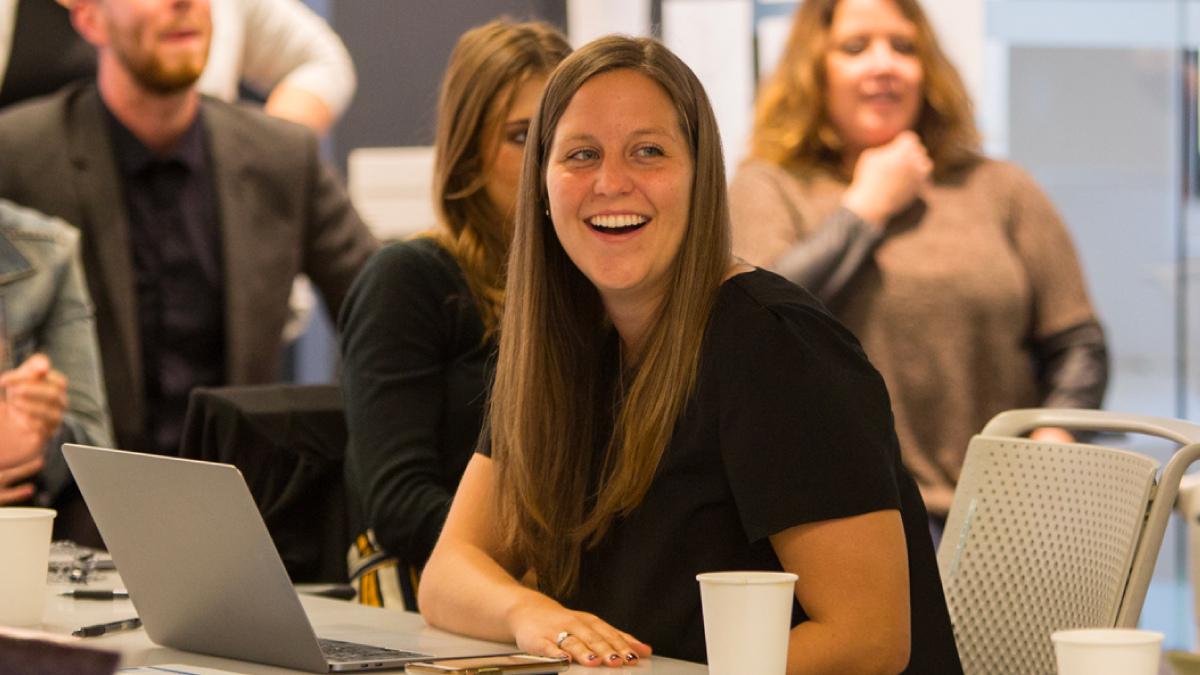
(196, 215)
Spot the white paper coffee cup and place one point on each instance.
(747, 618)
(1107, 651)
(24, 554)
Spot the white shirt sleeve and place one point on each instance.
(265, 43)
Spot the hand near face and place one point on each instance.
(887, 178)
(30, 414)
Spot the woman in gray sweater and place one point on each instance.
(866, 186)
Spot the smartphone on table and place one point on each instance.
(528, 664)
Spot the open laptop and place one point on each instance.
(200, 566)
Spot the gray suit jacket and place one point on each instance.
(282, 212)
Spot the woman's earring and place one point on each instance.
(547, 213)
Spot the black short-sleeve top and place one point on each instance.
(789, 423)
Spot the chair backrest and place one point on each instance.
(1051, 536)
(289, 442)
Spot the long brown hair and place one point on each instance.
(562, 408)
(487, 67)
(791, 122)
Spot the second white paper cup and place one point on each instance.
(747, 618)
(24, 554)
(1107, 651)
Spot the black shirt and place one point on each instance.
(789, 424)
(415, 374)
(176, 242)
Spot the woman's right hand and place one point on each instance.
(538, 621)
(887, 178)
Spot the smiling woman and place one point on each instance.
(866, 186)
(662, 410)
(619, 175)
(869, 110)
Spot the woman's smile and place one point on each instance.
(615, 224)
(619, 181)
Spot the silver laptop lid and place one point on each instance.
(192, 548)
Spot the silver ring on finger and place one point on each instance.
(560, 638)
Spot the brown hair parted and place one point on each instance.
(791, 123)
(487, 66)
(563, 406)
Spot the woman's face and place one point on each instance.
(874, 78)
(619, 179)
(504, 146)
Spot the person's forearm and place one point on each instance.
(826, 261)
(407, 514)
(1073, 367)
(463, 590)
(300, 106)
(815, 648)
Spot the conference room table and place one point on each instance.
(336, 619)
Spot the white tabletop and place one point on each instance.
(335, 619)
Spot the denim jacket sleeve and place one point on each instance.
(48, 310)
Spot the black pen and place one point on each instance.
(103, 628)
(95, 594)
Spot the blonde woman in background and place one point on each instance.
(418, 330)
(866, 186)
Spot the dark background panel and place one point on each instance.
(400, 48)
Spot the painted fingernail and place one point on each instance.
(613, 657)
(631, 657)
(591, 657)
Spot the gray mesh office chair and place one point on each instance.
(1050, 536)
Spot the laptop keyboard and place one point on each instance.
(337, 650)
